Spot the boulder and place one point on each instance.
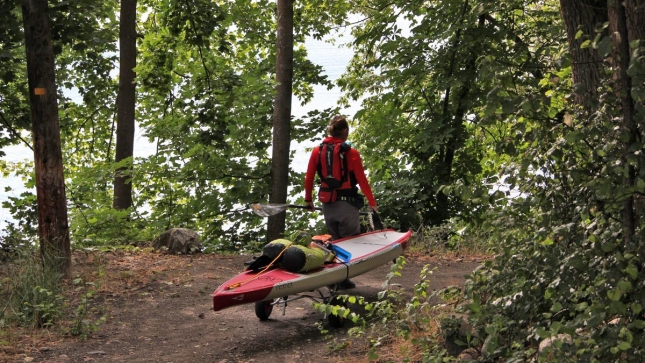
(551, 342)
(468, 355)
(178, 241)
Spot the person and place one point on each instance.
(342, 216)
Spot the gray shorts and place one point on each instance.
(341, 219)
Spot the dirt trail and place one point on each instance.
(159, 310)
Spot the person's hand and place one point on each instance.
(374, 208)
(310, 205)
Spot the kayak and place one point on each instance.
(366, 252)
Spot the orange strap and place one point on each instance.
(238, 284)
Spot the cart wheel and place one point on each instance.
(263, 309)
(336, 321)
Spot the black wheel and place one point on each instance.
(263, 309)
(336, 321)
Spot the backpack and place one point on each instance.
(332, 169)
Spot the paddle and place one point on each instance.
(266, 210)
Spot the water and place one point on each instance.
(333, 59)
(17, 153)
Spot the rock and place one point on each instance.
(178, 241)
(468, 355)
(549, 342)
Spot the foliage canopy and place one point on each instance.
(470, 112)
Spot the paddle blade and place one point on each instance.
(375, 221)
(267, 210)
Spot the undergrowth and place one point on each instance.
(398, 328)
(32, 292)
(33, 296)
(449, 239)
(428, 326)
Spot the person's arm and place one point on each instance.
(359, 173)
(309, 178)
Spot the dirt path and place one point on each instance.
(159, 310)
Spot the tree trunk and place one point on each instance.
(281, 117)
(635, 14)
(454, 116)
(587, 71)
(622, 23)
(53, 228)
(625, 24)
(126, 104)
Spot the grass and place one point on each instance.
(39, 307)
(31, 292)
(442, 241)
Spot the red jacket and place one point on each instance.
(354, 164)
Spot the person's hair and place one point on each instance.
(337, 125)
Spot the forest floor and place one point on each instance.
(158, 308)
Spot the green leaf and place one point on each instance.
(542, 333)
(639, 324)
(604, 46)
(614, 295)
(490, 344)
(579, 34)
(624, 286)
(624, 346)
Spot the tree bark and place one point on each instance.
(585, 15)
(281, 117)
(635, 17)
(625, 25)
(620, 28)
(53, 228)
(126, 104)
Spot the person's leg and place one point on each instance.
(347, 284)
(349, 219)
(346, 223)
(331, 220)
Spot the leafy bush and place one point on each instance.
(415, 320)
(106, 226)
(82, 325)
(571, 280)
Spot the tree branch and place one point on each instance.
(14, 131)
